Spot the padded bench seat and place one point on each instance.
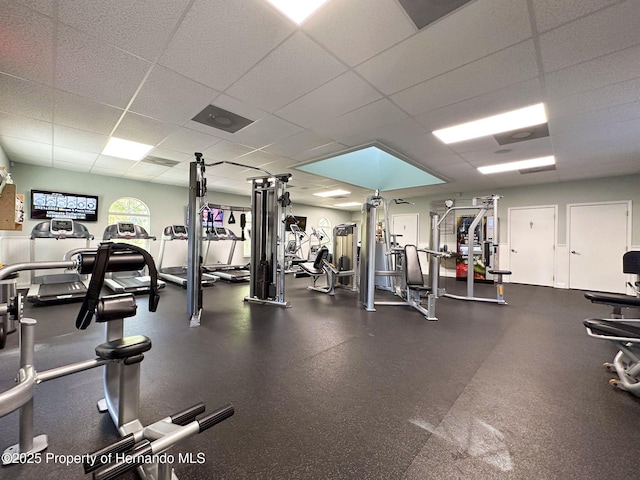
(499, 272)
(612, 329)
(613, 299)
(123, 347)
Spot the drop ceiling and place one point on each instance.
(75, 72)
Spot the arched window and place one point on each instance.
(130, 209)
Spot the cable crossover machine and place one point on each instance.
(269, 201)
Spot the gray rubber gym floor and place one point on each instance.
(326, 390)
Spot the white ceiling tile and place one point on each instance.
(76, 167)
(93, 69)
(300, 142)
(78, 139)
(188, 141)
(359, 29)
(600, 72)
(171, 155)
(170, 97)
(147, 169)
(30, 36)
(591, 119)
(553, 13)
(84, 113)
(583, 142)
(488, 26)
(25, 128)
(508, 67)
(296, 67)
(42, 6)
(34, 160)
(515, 96)
(319, 152)
(231, 37)
(598, 99)
(225, 150)
(142, 27)
(105, 162)
(604, 32)
(73, 156)
(341, 95)
(265, 131)
(26, 98)
(259, 158)
(371, 116)
(18, 149)
(139, 128)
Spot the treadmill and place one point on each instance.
(57, 287)
(128, 282)
(226, 271)
(178, 275)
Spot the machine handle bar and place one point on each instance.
(142, 451)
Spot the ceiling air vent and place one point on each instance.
(160, 161)
(546, 168)
(221, 119)
(425, 12)
(523, 134)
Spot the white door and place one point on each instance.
(532, 239)
(598, 237)
(405, 226)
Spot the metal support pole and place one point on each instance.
(194, 255)
(470, 260)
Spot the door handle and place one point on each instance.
(574, 252)
(514, 251)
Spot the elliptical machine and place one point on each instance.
(121, 356)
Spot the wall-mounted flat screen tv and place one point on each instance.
(77, 206)
(299, 221)
(213, 218)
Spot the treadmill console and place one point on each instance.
(126, 229)
(179, 231)
(61, 226)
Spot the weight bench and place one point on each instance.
(626, 363)
(414, 283)
(630, 265)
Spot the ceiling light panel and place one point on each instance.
(504, 122)
(297, 10)
(520, 165)
(120, 148)
(347, 204)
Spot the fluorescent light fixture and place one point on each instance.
(348, 204)
(504, 122)
(332, 193)
(117, 147)
(297, 10)
(521, 165)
